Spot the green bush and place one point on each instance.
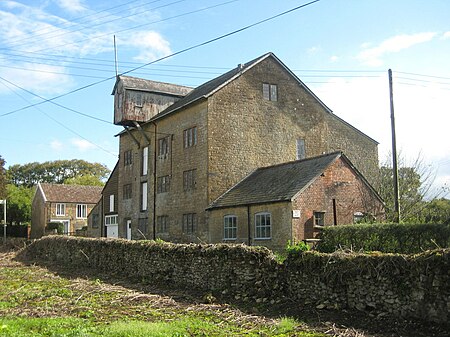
(296, 247)
(387, 238)
(59, 226)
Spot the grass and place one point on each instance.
(35, 301)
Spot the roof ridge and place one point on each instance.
(301, 160)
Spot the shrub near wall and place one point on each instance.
(387, 238)
(416, 286)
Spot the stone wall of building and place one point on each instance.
(411, 286)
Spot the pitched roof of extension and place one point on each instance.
(70, 193)
(141, 84)
(207, 89)
(280, 182)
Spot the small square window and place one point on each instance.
(60, 209)
(127, 158)
(127, 191)
(163, 184)
(190, 137)
(319, 218)
(263, 226)
(163, 147)
(189, 223)
(189, 180)
(81, 211)
(162, 224)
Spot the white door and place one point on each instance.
(112, 231)
(66, 226)
(129, 229)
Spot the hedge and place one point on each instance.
(387, 238)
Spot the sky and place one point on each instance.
(57, 66)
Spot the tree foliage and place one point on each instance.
(87, 180)
(18, 206)
(57, 171)
(416, 194)
(2, 178)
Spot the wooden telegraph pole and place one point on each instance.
(394, 153)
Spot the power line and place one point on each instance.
(57, 104)
(56, 121)
(166, 57)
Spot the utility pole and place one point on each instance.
(394, 153)
(4, 219)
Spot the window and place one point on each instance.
(230, 227)
(189, 180)
(142, 226)
(263, 226)
(301, 149)
(138, 99)
(319, 218)
(163, 184)
(162, 224)
(145, 161)
(127, 158)
(163, 147)
(110, 220)
(127, 191)
(60, 209)
(111, 203)
(144, 196)
(95, 221)
(190, 137)
(270, 92)
(358, 217)
(189, 223)
(81, 211)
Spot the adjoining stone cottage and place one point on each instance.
(182, 148)
(67, 204)
(293, 202)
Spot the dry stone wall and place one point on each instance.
(411, 286)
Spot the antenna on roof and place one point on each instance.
(115, 57)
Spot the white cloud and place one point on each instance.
(82, 144)
(446, 35)
(313, 50)
(422, 116)
(151, 45)
(56, 145)
(373, 56)
(334, 58)
(71, 5)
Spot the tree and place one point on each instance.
(54, 172)
(415, 183)
(437, 211)
(18, 207)
(2, 178)
(88, 180)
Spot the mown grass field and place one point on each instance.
(35, 301)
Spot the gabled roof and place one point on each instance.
(141, 84)
(207, 89)
(70, 193)
(280, 182)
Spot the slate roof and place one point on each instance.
(207, 89)
(210, 87)
(276, 183)
(71, 193)
(151, 86)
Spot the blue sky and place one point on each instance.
(341, 49)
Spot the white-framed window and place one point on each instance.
(230, 227)
(190, 137)
(144, 196)
(145, 161)
(111, 220)
(81, 211)
(189, 223)
(270, 92)
(263, 225)
(319, 218)
(111, 203)
(60, 209)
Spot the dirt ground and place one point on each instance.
(331, 322)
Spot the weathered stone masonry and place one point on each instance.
(411, 286)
